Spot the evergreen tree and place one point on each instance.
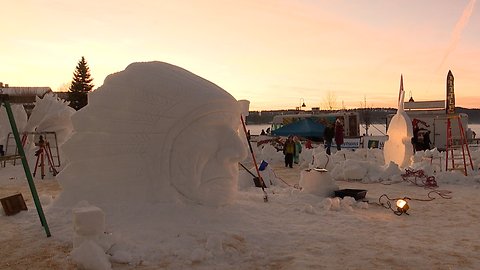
(80, 86)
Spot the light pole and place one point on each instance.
(302, 104)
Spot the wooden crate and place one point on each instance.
(13, 204)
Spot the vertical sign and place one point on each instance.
(450, 106)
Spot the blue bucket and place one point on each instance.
(263, 165)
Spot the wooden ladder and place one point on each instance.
(457, 148)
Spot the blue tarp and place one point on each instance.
(303, 128)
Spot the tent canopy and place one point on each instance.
(303, 128)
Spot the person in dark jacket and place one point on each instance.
(328, 135)
(426, 141)
(289, 151)
(339, 134)
(415, 139)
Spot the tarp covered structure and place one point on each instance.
(304, 128)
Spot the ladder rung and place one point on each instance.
(456, 169)
(456, 154)
(457, 146)
(461, 165)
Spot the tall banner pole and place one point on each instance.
(450, 106)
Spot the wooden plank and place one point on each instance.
(9, 157)
(13, 204)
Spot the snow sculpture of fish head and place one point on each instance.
(157, 133)
(398, 148)
(51, 114)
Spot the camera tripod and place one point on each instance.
(44, 150)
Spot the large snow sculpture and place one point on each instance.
(398, 148)
(154, 133)
(51, 114)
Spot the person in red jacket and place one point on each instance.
(339, 134)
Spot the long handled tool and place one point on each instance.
(256, 181)
(265, 198)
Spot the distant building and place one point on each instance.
(62, 95)
(24, 95)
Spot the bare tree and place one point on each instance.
(365, 115)
(330, 101)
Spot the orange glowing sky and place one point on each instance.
(272, 52)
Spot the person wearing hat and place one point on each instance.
(289, 151)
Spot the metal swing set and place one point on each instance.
(4, 100)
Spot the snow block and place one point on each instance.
(88, 221)
(91, 256)
(318, 182)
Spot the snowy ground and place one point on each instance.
(162, 182)
(292, 231)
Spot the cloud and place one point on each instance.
(457, 31)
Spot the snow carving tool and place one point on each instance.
(260, 179)
(256, 181)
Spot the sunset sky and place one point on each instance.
(275, 53)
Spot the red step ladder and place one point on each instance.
(43, 152)
(457, 148)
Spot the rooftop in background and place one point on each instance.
(424, 105)
(24, 91)
(24, 95)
